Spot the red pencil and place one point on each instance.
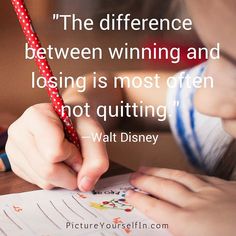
(44, 69)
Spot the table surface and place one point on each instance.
(10, 183)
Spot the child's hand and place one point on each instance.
(40, 154)
(191, 205)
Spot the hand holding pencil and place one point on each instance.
(40, 153)
(43, 146)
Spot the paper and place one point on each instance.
(102, 212)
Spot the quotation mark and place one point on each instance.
(175, 104)
(55, 16)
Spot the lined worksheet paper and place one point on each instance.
(102, 212)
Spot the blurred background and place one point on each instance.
(16, 93)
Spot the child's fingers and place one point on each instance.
(95, 158)
(27, 175)
(48, 132)
(21, 167)
(21, 173)
(211, 180)
(75, 159)
(188, 180)
(158, 210)
(57, 174)
(162, 188)
(64, 152)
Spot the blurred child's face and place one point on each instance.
(215, 21)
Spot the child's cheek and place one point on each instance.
(219, 101)
(230, 127)
(206, 101)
